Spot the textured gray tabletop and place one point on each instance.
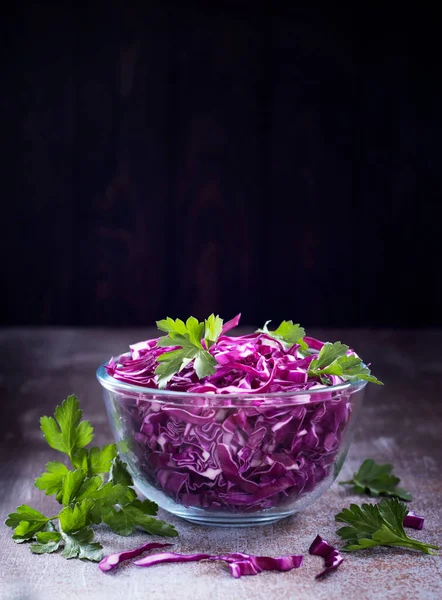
(401, 422)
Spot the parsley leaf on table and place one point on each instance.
(86, 497)
(47, 542)
(119, 473)
(105, 497)
(381, 524)
(137, 514)
(333, 360)
(71, 484)
(26, 522)
(76, 516)
(95, 461)
(377, 480)
(76, 533)
(287, 332)
(80, 545)
(187, 337)
(128, 512)
(66, 432)
(52, 479)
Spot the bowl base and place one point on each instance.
(232, 521)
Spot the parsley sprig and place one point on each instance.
(86, 498)
(381, 524)
(332, 359)
(287, 333)
(377, 480)
(187, 338)
(191, 341)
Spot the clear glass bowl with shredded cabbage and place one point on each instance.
(257, 440)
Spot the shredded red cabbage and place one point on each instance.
(330, 554)
(414, 521)
(110, 562)
(169, 557)
(239, 563)
(238, 458)
(227, 457)
(248, 564)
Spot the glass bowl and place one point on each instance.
(232, 459)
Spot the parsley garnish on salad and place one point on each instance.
(187, 337)
(194, 344)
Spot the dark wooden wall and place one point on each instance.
(190, 157)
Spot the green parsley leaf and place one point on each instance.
(87, 499)
(328, 353)
(187, 337)
(350, 368)
(204, 364)
(138, 514)
(78, 488)
(176, 339)
(119, 521)
(288, 333)
(106, 497)
(195, 331)
(26, 522)
(47, 542)
(213, 329)
(377, 480)
(43, 537)
(51, 480)
(333, 360)
(66, 433)
(95, 461)
(100, 460)
(170, 326)
(76, 516)
(80, 545)
(51, 546)
(170, 364)
(88, 487)
(120, 474)
(339, 365)
(71, 484)
(381, 524)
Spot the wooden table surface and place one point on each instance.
(401, 423)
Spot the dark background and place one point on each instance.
(190, 157)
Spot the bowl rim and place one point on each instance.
(115, 385)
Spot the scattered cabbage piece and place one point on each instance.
(169, 557)
(330, 554)
(113, 560)
(239, 563)
(413, 520)
(248, 564)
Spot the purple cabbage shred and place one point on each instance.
(330, 554)
(113, 560)
(239, 563)
(414, 521)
